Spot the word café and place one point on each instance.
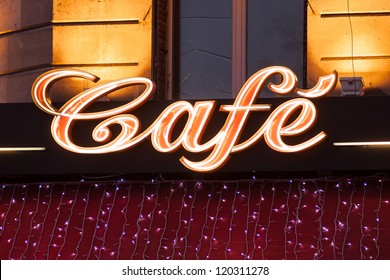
(291, 118)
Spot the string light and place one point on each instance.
(19, 222)
(96, 226)
(139, 229)
(363, 229)
(230, 228)
(40, 226)
(151, 215)
(106, 223)
(84, 219)
(378, 219)
(337, 212)
(177, 239)
(251, 219)
(286, 229)
(213, 219)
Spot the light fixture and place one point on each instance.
(22, 149)
(352, 86)
(366, 143)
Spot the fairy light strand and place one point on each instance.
(378, 219)
(32, 222)
(96, 224)
(55, 227)
(256, 232)
(320, 208)
(151, 223)
(297, 218)
(233, 212)
(66, 227)
(11, 201)
(335, 221)
(84, 215)
(139, 229)
(19, 220)
(44, 222)
(247, 223)
(109, 211)
(202, 230)
(362, 227)
(269, 222)
(124, 212)
(287, 220)
(185, 238)
(172, 190)
(213, 219)
(347, 227)
(180, 220)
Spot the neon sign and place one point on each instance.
(225, 142)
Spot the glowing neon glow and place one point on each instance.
(22, 149)
(225, 142)
(277, 120)
(325, 85)
(367, 143)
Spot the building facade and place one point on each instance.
(110, 38)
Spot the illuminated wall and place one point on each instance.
(350, 36)
(110, 38)
(25, 46)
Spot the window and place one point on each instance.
(221, 43)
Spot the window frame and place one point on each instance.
(169, 89)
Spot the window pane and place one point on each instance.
(276, 36)
(205, 49)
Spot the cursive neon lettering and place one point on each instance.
(276, 129)
(225, 142)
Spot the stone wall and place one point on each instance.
(110, 38)
(352, 39)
